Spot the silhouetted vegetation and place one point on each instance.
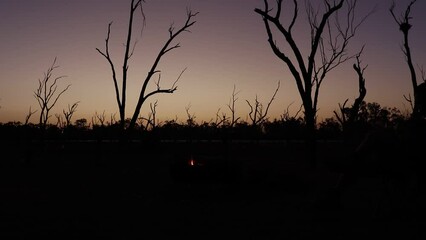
(46, 94)
(329, 40)
(168, 46)
(284, 128)
(251, 175)
(419, 90)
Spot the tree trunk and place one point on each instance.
(311, 137)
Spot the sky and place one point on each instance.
(227, 47)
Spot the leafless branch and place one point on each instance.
(101, 117)
(231, 106)
(256, 114)
(45, 93)
(405, 26)
(190, 117)
(143, 96)
(69, 113)
(28, 116)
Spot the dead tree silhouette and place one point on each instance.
(45, 94)
(349, 117)
(418, 90)
(377, 154)
(257, 114)
(28, 116)
(69, 113)
(144, 94)
(414, 131)
(328, 49)
(232, 108)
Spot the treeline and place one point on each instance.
(370, 116)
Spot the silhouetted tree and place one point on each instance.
(190, 120)
(328, 49)
(28, 116)
(231, 107)
(45, 93)
(112, 120)
(349, 115)
(167, 47)
(286, 115)
(99, 119)
(220, 120)
(257, 114)
(419, 90)
(69, 113)
(151, 119)
(81, 123)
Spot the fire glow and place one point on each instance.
(191, 162)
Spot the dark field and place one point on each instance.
(239, 190)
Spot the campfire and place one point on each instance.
(198, 168)
(195, 163)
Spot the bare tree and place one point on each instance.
(45, 93)
(112, 120)
(231, 107)
(286, 115)
(81, 123)
(167, 47)
(349, 115)
(94, 121)
(28, 116)
(221, 119)
(68, 113)
(190, 120)
(328, 50)
(150, 120)
(99, 118)
(256, 114)
(419, 90)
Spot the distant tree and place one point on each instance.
(328, 49)
(232, 108)
(150, 122)
(190, 118)
(220, 120)
(419, 105)
(373, 114)
(167, 47)
(28, 116)
(257, 113)
(81, 123)
(69, 113)
(112, 120)
(99, 118)
(45, 93)
(286, 115)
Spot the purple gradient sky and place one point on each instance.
(227, 47)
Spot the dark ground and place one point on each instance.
(252, 191)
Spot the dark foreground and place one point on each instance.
(260, 191)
